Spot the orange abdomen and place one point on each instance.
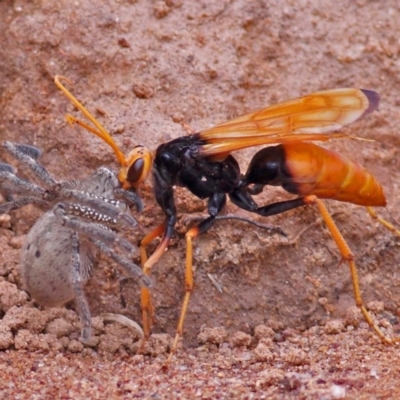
(313, 170)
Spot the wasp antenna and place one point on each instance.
(101, 132)
(72, 120)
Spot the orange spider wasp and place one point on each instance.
(202, 162)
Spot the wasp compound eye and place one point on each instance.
(135, 171)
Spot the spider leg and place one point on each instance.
(12, 183)
(97, 207)
(108, 238)
(80, 298)
(28, 156)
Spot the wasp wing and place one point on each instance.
(312, 117)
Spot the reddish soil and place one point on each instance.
(143, 68)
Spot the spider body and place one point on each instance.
(62, 246)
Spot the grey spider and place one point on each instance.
(60, 249)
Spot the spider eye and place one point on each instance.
(135, 171)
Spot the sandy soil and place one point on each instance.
(283, 324)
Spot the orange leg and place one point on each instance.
(382, 221)
(197, 230)
(146, 303)
(190, 235)
(349, 257)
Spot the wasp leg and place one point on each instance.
(165, 197)
(148, 314)
(277, 208)
(215, 205)
(280, 207)
(269, 228)
(382, 221)
(349, 257)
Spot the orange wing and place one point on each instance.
(312, 117)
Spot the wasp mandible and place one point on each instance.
(202, 163)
